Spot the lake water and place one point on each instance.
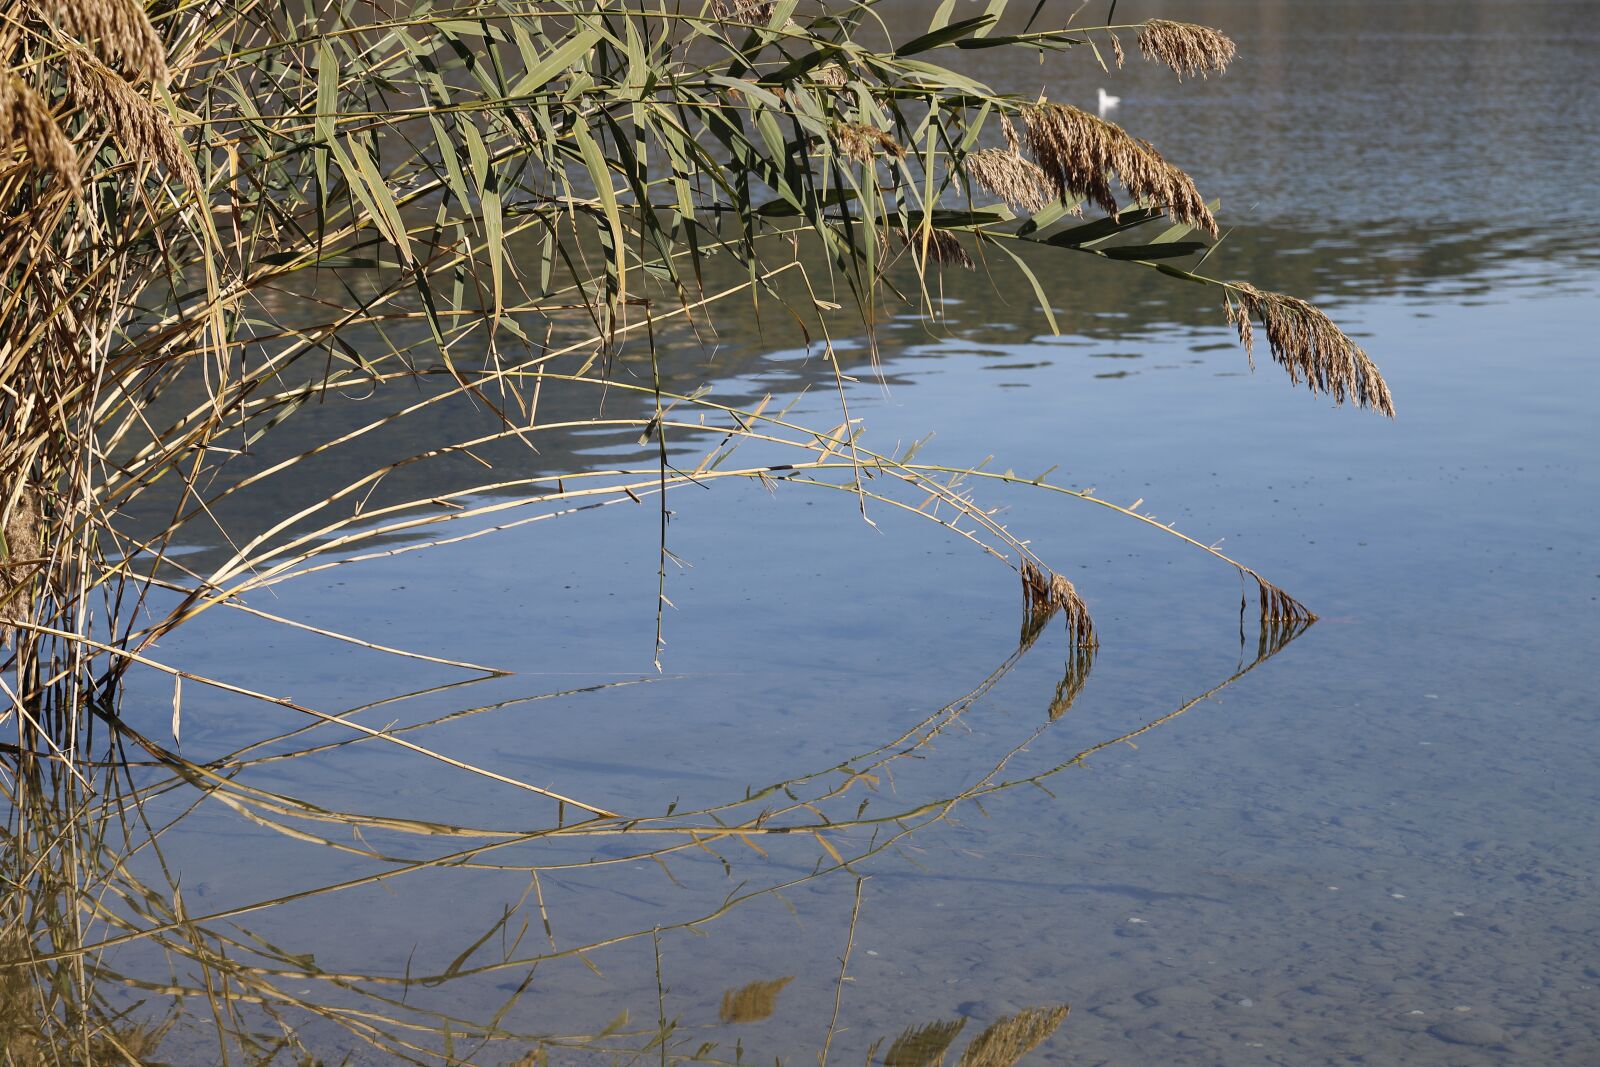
(1376, 846)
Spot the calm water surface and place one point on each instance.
(1376, 846)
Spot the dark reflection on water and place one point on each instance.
(1376, 845)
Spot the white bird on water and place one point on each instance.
(1107, 101)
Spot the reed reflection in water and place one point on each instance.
(107, 958)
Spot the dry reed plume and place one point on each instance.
(118, 30)
(1307, 344)
(1073, 679)
(862, 143)
(26, 123)
(1044, 594)
(1081, 153)
(144, 131)
(923, 1046)
(1278, 606)
(942, 247)
(1014, 179)
(758, 11)
(1005, 1042)
(752, 1003)
(1185, 47)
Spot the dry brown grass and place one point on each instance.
(1308, 344)
(1186, 48)
(1081, 154)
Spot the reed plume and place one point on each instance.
(1014, 179)
(1008, 1040)
(924, 1045)
(117, 30)
(144, 131)
(1307, 344)
(752, 1003)
(26, 123)
(758, 11)
(862, 143)
(942, 247)
(1185, 47)
(1080, 154)
(1073, 678)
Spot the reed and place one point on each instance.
(215, 215)
(1082, 154)
(1186, 48)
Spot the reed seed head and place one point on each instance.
(1009, 176)
(1005, 1042)
(862, 143)
(1308, 345)
(118, 31)
(753, 1002)
(831, 74)
(1072, 681)
(144, 131)
(1277, 607)
(1185, 47)
(26, 123)
(1010, 131)
(1081, 153)
(923, 1045)
(943, 247)
(756, 11)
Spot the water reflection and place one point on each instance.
(113, 952)
(292, 891)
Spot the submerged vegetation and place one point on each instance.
(217, 214)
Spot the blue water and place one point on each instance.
(1376, 846)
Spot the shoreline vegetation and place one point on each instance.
(221, 213)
